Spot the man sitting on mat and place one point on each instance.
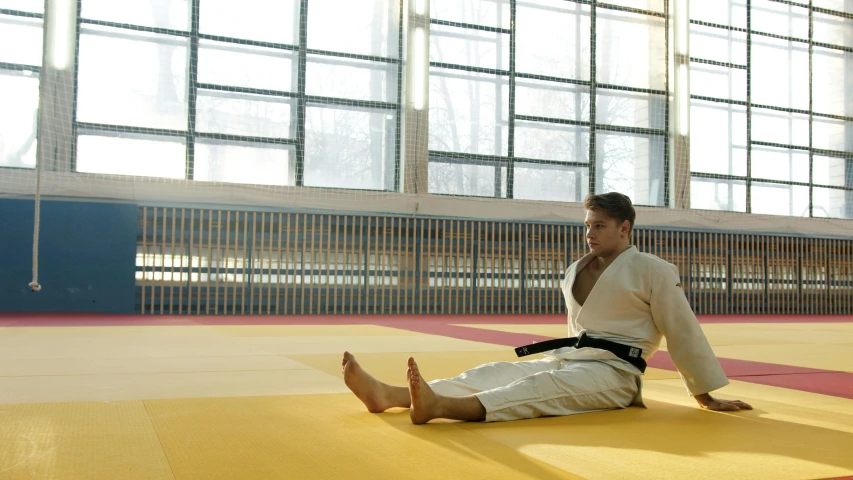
(621, 303)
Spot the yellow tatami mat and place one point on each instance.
(80, 441)
(325, 436)
(673, 439)
(269, 402)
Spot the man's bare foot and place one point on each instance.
(427, 405)
(424, 400)
(375, 395)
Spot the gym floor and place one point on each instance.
(255, 397)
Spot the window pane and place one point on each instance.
(132, 78)
(552, 38)
(832, 68)
(489, 13)
(630, 50)
(716, 44)
(239, 114)
(774, 199)
(653, 5)
(831, 134)
(779, 19)
(173, 14)
(241, 163)
(19, 96)
(837, 5)
(833, 171)
(718, 138)
(349, 148)
(632, 165)
(550, 182)
(127, 154)
(723, 12)
(780, 164)
(780, 73)
(629, 109)
(368, 27)
(548, 141)
(271, 21)
(462, 179)
(464, 109)
(245, 66)
(833, 29)
(549, 99)
(20, 40)
(469, 47)
(830, 202)
(351, 78)
(718, 82)
(34, 6)
(712, 194)
(780, 127)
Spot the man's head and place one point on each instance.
(609, 223)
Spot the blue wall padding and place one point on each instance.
(86, 257)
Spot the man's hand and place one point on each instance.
(706, 401)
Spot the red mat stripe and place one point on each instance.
(836, 384)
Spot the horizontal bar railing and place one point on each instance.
(197, 261)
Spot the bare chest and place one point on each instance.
(584, 282)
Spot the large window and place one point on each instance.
(273, 92)
(469, 97)
(772, 107)
(574, 101)
(528, 99)
(20, 66)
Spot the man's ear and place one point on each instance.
(625, 228)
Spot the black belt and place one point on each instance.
(632, 355)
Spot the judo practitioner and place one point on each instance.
(621, 303)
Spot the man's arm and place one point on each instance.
(686, 343)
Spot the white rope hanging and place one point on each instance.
(34, 285)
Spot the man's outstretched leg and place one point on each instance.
(375, 395)
(427, 405)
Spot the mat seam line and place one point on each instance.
(159, 440)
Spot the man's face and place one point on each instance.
(604, 235)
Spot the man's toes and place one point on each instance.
(413, 366)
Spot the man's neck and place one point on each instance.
(603, 262)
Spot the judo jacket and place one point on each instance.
(638, 301)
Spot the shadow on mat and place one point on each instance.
(445, 434)
(678, 430)
(663, 427)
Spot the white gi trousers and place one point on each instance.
(543, 387)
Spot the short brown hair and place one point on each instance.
(614, 205)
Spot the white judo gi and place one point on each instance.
(637, 301)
